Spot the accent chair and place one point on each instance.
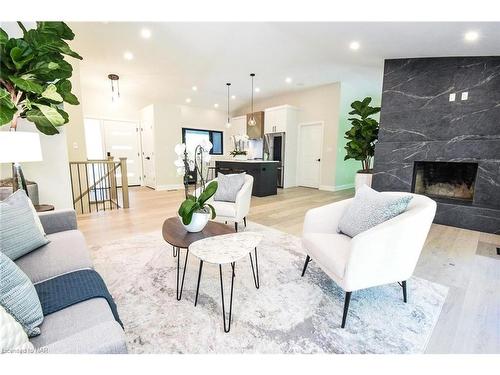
(384, 254)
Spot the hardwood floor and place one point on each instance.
(470, 320)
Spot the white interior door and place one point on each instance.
(309, 157)
(148, 161)
(121, 140)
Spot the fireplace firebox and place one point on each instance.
(445, 181)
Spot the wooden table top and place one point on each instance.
(43, 207)
(175, 234)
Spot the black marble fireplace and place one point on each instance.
(446, 149)
(444, 181)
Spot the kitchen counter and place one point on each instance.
(264, 173)
(249, 161)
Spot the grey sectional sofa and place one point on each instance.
(86, 327)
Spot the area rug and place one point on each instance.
(288, 314)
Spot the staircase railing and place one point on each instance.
(96, 185)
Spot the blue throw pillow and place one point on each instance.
(18, 296)
(20, 227)
(370, 208)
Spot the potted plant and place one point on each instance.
(194, 212)
(34, 76)
(362, 138)
(239, 154)
(240, 142)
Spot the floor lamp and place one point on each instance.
(17, 147)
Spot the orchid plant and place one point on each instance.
(195, 161)
(240, 142)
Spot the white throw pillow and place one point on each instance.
(229, 186)
(370, 208)
(13, 339)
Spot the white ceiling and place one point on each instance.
(180, 55)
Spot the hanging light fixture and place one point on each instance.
(252, 121)
(228, 123)
(114, 79)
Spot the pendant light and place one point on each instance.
(252, 121)
(115, 87)
(228, 123)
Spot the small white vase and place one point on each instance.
(198, 222)
(363, 179)
(241, 157)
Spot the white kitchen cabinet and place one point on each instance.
(269, 121)
(279, 119)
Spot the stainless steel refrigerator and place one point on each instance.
(274, 146)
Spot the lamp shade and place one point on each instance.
(16, 147)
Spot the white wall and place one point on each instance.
(169, 121)
(51, 174)
(75, 133)
(321, 103)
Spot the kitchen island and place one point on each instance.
(264, 173)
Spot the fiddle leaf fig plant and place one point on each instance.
(34, 76)
(363, 134)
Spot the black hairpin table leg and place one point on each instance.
(198, 285)
(227, 326)
(255, 272)
(179, 291)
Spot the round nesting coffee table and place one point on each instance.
(175, 234)
(44, 207)
(227, 249)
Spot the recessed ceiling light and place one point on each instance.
(188, 100)
(233, 97)
(288, 80)
(354, 45)
(216, 105)
(257, 89)
(146, 33)
(471, 36)
(128, 55)
(194, 88)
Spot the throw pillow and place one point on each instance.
(370, 208)
(18, 296)
(229, 186)
(13, 339)
(20, 229)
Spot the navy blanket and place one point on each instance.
(71, 288)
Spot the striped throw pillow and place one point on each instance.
(20, 227)
(18, 296)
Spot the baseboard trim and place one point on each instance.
(169, 187)
(336, 188)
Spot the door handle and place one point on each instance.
(148, 158)
(318, 159)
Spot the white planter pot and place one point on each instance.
(198, 222)
(241, 157)
(363, 179)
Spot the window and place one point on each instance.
(192, 138)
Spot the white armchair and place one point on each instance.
(384, 254)
(235, 211)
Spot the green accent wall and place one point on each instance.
(349, 92)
